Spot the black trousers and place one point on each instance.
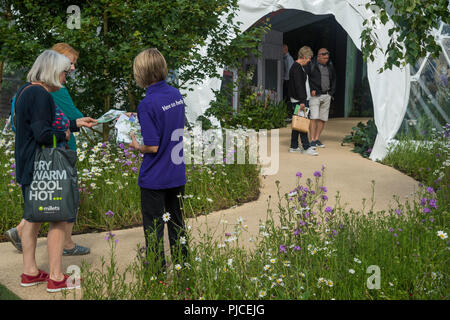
(155, 203)
(295, 134)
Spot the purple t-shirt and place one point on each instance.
(160, 113)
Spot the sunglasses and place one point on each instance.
(324, 53)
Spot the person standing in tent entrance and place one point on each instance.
(161, 179)
(298, 95)
(64, 102)
(322, 82)
(288, 61)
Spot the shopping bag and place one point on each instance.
(300, 121)
(53, 193)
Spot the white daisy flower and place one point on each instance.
(262, 294)
(166, 217)
(351, 271)
(442, 235)
(178, 267)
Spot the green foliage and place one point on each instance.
(104, 169)
(304, 250)
(427, 161)
(410, 36)
(255, 111)
(113, 32)
(363, 137)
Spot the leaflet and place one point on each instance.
(124, 126)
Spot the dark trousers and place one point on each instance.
(154, 204)
(303, 138)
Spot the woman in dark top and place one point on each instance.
(35, 114)
(298, 95)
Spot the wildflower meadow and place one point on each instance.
(306, 248)
(107, 179)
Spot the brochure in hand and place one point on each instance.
(300, 113)
(125, 125)
(110, 116)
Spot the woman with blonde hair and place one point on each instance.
(35, 114)
(161, 179)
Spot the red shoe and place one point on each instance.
(56, 286)
(28, 281)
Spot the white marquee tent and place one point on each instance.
(390, 89)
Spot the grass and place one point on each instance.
(305, 250)
(107, 176)
(5, 294)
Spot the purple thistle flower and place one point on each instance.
(395, 235)
(324, 198)
(227, 234)
(283, 248)
(391, 229)
(13, 166)
(432, 203)
(12, 173)
(312, 192)
(109, 213)
(324, 189)
(423, 201)
(122, 146)
(135, 169)
(296, 232)
(297, 248)
(317, 174)
(398, 211)
(328, 209)
(430, 190)
(299, 174)
(426, 210)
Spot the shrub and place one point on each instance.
(363, 138)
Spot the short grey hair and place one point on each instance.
(48, 67)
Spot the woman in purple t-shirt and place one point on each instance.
(161, 177)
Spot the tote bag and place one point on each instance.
(53, 193)
(301, 123)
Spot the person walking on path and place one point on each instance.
(161, 178)
(64, 102)
(298, 95)
(322, 82)
(35, 112)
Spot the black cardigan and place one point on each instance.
(315, 82)
(35, 113)
(297, 83)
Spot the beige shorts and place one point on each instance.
(319, 107)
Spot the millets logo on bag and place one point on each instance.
(51, 208)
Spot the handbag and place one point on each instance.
(53, 193)
(301, 122)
